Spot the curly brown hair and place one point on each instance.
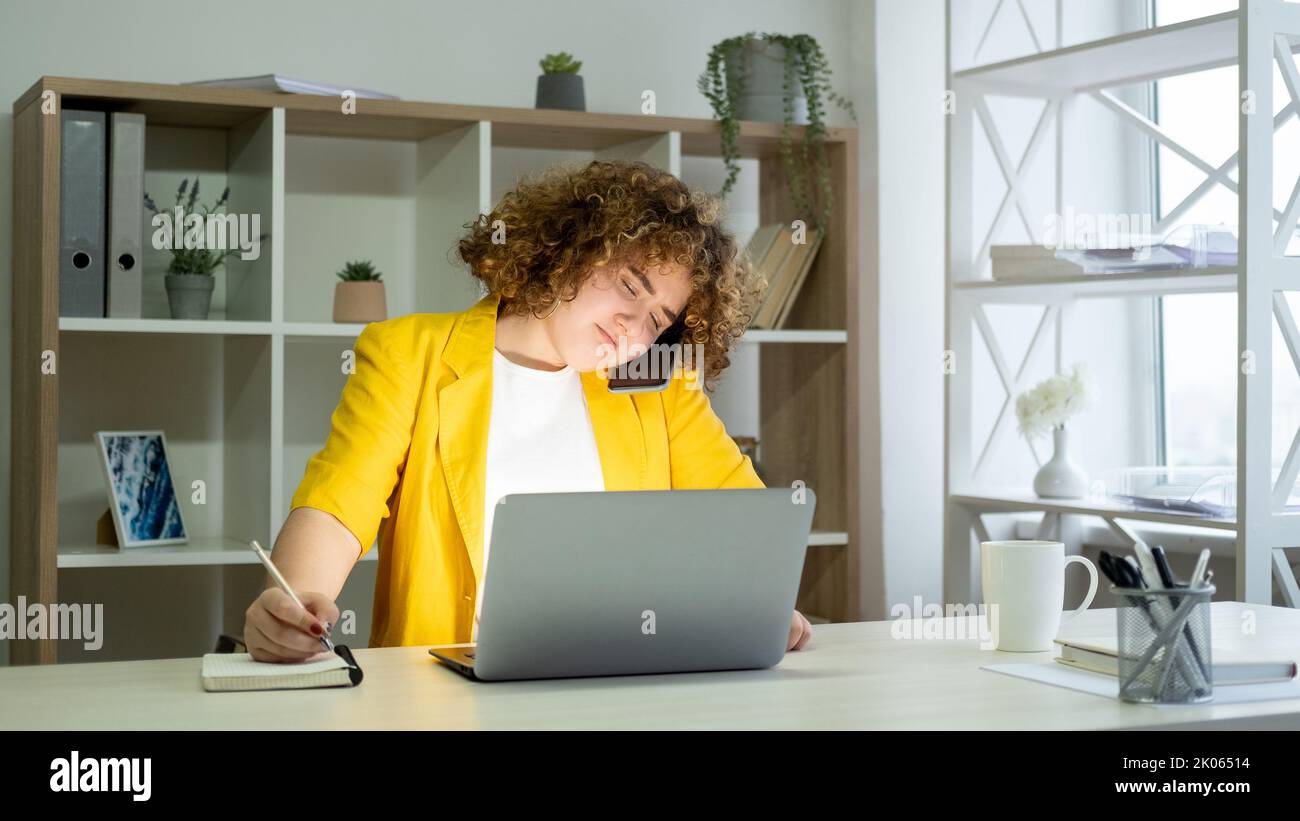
(564, 223)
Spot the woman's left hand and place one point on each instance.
(800, 632)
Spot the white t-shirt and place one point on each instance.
(540, 440)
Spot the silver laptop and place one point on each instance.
(632, 582)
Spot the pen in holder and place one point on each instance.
(1164, 644)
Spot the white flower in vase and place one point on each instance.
(1045, 408)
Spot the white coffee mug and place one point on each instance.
(1024, 590)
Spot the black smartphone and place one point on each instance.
(652, 370)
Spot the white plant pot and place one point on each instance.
(763, 65)
(1059, 477)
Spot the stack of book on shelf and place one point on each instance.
(785, 263)
(1011, 262)
(1025, 261)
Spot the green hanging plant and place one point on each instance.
(803, 60)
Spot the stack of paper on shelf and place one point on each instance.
(278, 82)
(1015, 262)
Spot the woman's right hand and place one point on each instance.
(276, 629)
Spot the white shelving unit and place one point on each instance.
(1263, 33)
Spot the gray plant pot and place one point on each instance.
(562, 91)
(189, 295)
(763, 64)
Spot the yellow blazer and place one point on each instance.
(408, 445)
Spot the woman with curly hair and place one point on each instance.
(582, 268)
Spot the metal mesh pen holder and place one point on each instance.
(1164, 645)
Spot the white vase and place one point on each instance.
(1060, 478)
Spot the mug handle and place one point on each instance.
(1092, 590)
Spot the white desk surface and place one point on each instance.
(849, 676)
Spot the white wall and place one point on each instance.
(909, 226)
(906, 161)
(444, 51)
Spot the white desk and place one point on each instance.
(849, 676)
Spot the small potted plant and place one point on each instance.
(779, 78)
(189, 279)
(1046, 407)
(360, 296)
(560, 85)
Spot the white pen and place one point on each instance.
(1147, 561)
(1202, 562)
(284, 585)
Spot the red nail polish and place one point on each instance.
(315, 628)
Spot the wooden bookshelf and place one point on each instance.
(303, 164)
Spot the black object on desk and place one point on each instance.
(1162, 567)
(230, 644)
(354, 670)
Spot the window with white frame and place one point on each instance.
(1197, 333)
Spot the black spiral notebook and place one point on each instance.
(226, 672)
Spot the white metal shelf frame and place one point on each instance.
(1266, 32)
(1262, 33)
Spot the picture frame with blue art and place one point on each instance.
(141, 495)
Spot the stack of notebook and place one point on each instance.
(1229, 664)
(785, 263)
(1030, 261)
